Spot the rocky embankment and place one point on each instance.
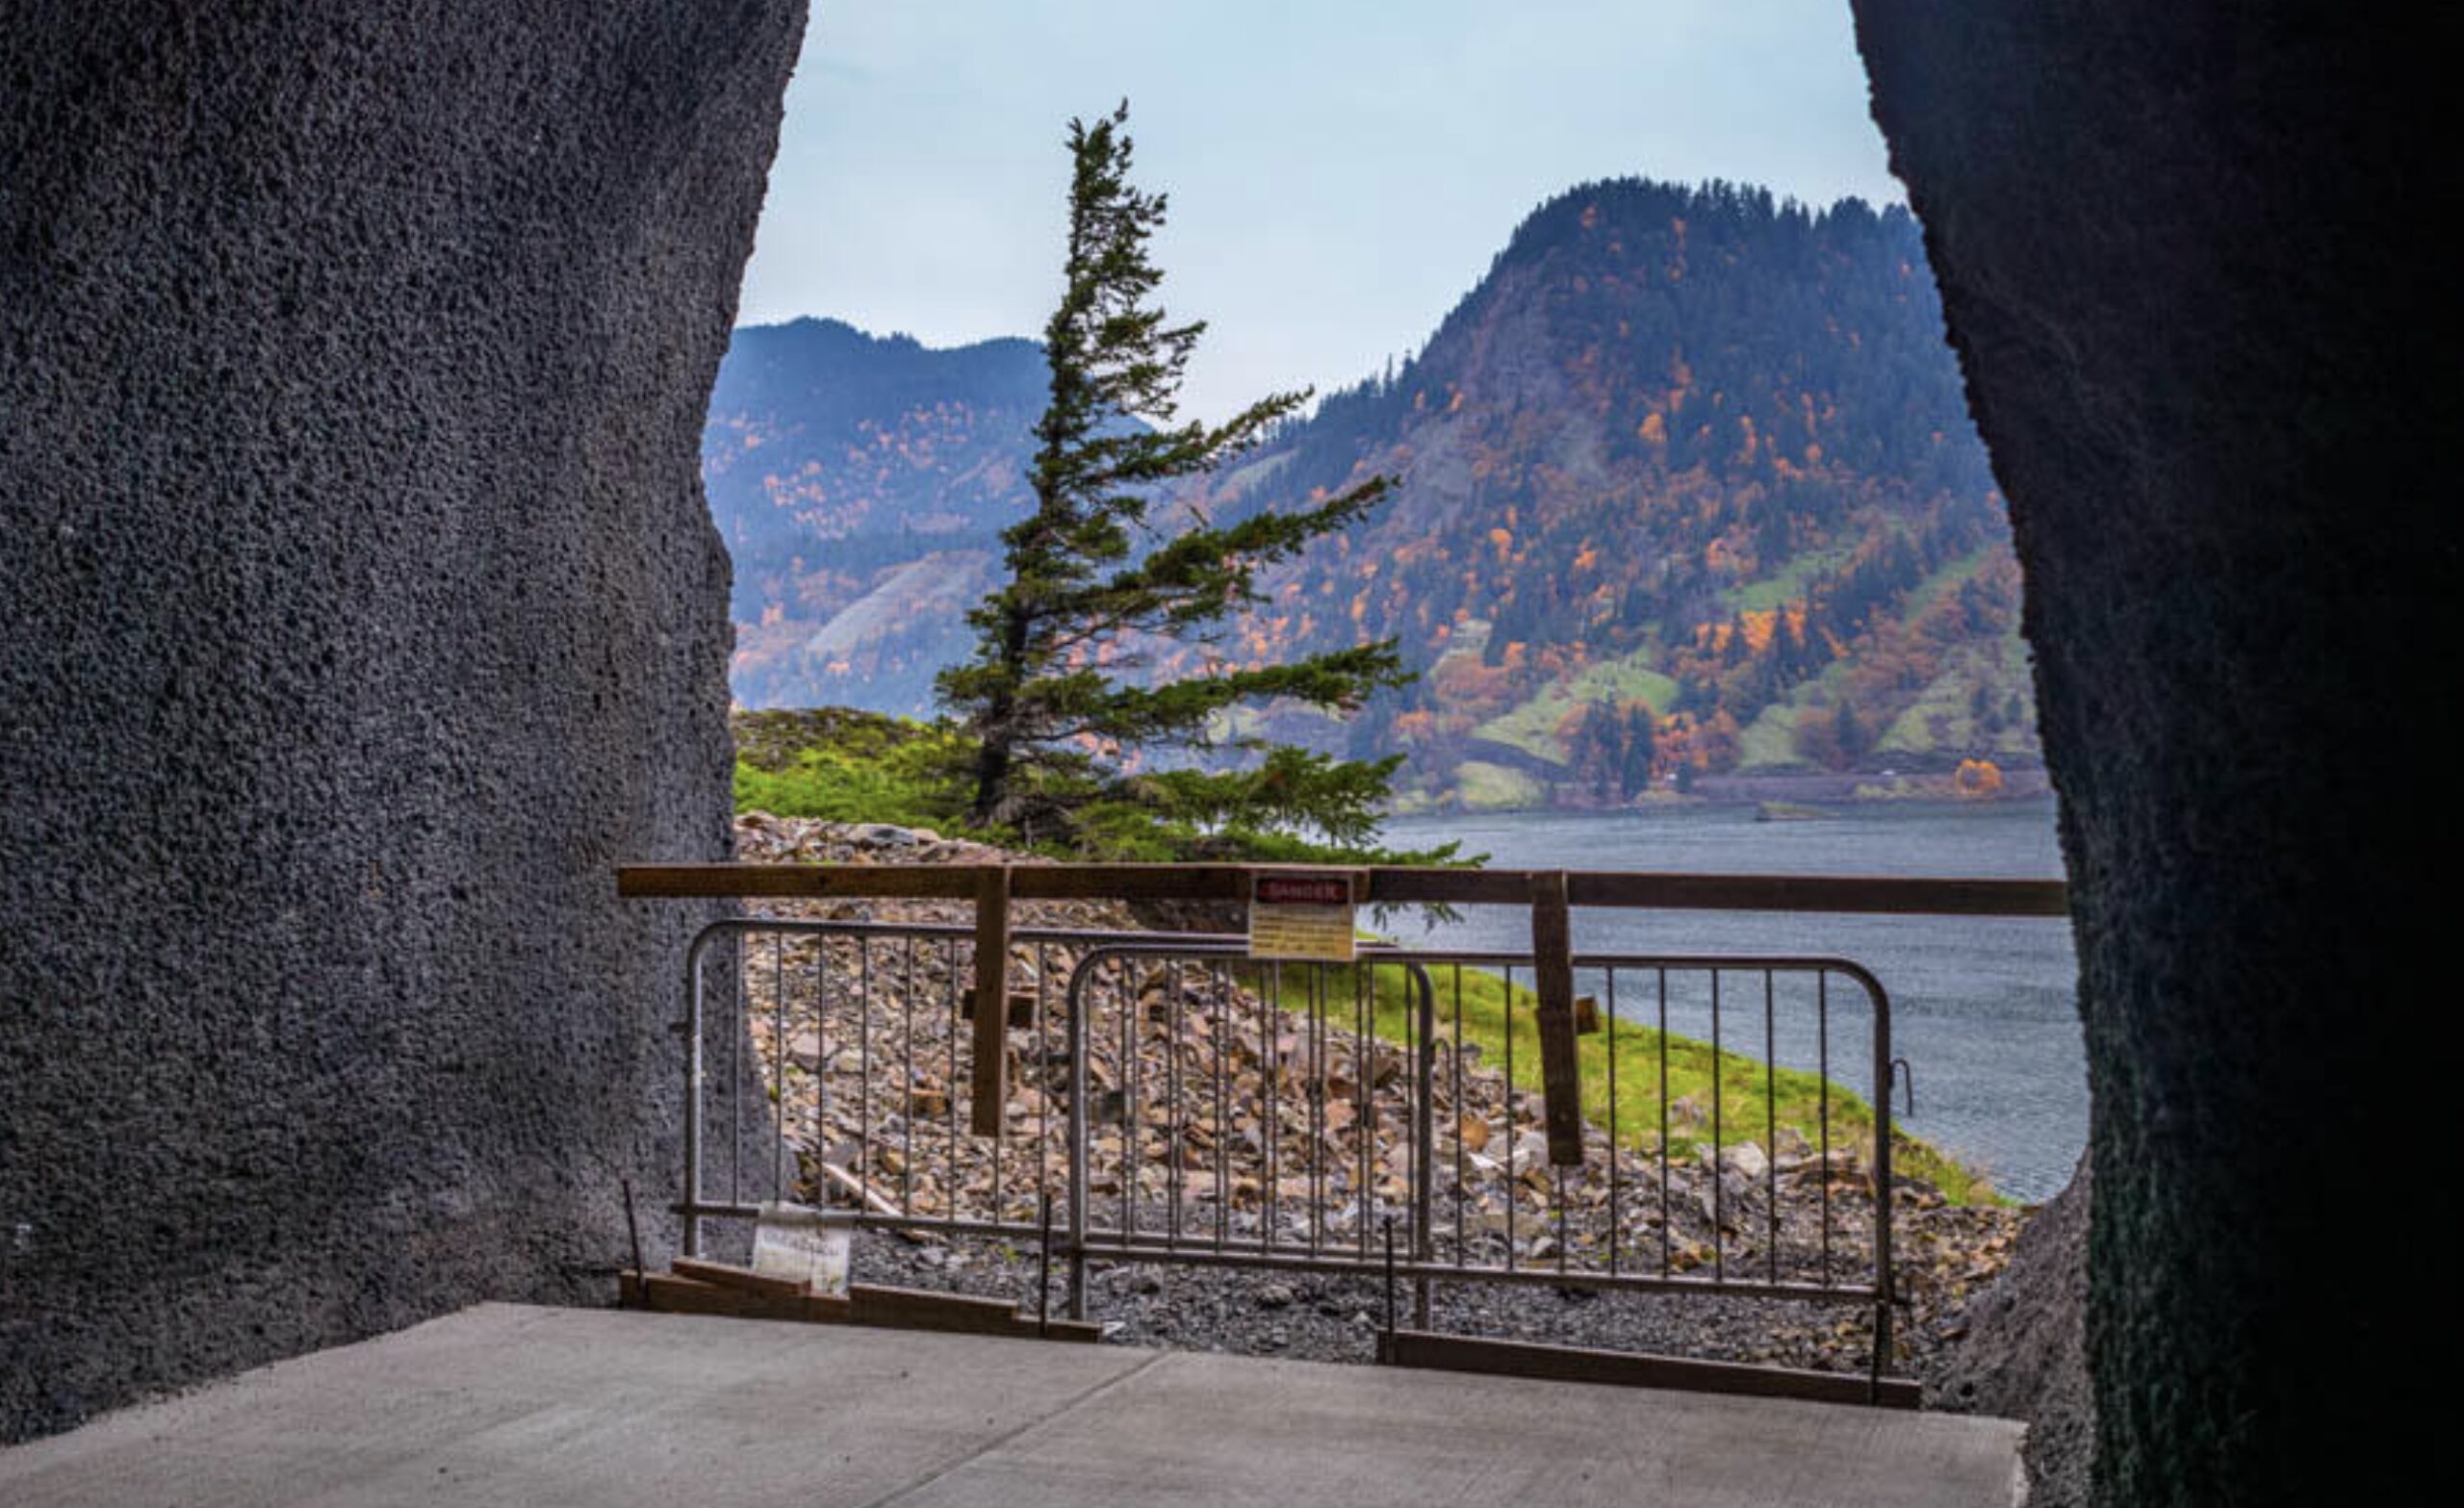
(1191, 1140)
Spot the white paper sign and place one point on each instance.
(803, 1245)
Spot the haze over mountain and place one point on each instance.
(1686, 485)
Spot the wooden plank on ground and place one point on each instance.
(669, 1294)
(922, 1309)
(722, 1275)
(1553, 971)
(1632, 1369)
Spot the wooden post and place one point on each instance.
(1552, 969)
(990, 1090)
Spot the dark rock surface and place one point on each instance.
(2022, 1353)
(2184, 257)
(361, 612)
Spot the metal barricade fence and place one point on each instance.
(1171, 1100)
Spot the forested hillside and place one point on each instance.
(1687, 487)
(860, 483)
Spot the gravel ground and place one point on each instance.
(1337, 1318)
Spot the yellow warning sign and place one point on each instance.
(1302, 917)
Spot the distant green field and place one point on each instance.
(1532, 727)
(1493, 787)
(1770, 741)
(1943, 718)
(1788, 585)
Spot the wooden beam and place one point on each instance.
(1022, 1007)
(673, 1294)
(1631, 1369)
(720, 1275)
(924, 1309)
(1553, 971)
(988, 1084)
(1854, 893)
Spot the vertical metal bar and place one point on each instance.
(1666, 1238)
(907, 1079)
(1131, 987)
(1719, 1184)
(951, 1182)
(821, 1051)
(1616, 1146)
(956, 995)
(778, 1188)
(1270, 1102)
(1363, 1059)
(1565, 1234)
(737, 1036)
(1043, 1242)
(1389, 1346)
(1423, 1017)
(864, 1059)
(694, 968)
(1044, 1091)
(1771, 1122)
(1317, 1108)
(1513, 1137)
(1455, 1058)
(1080, 978)
(1883, 1190)
(1822, 1076)
(1226, 997)
(1176, 1130)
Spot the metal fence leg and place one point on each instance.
(1424, 1141)
(692, 1233)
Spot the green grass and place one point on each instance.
(1788, 585)
(1493, 787)
(1532, 727)
(1942, 720)
(1770, 741)
(844, 766)
(1750, 1097)
(1951, 575)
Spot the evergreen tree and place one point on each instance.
(1640, 749)
(1093, 569)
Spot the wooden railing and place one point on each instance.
(1551, 893)
(1375, 885)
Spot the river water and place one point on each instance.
(1983, 1009)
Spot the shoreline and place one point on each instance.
(1853, 789)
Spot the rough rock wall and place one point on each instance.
(2025, 1352)
(362, 612)
(2184, 257)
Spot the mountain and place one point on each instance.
(1688, 485)
(861, 484)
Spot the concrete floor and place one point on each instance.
(525, 1408)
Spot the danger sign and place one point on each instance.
(1302, 917)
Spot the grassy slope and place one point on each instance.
(843, 766)
(1532, 727)
(1493, 787)
(1750, 1098)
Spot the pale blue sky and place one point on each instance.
(1340, 171)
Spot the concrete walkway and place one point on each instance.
(527, 1408)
